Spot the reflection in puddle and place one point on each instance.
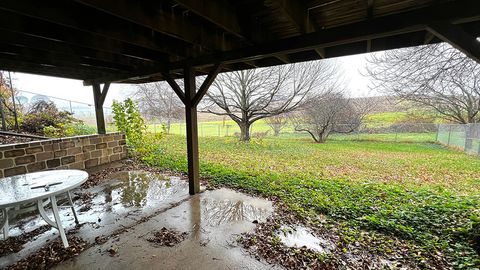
(140, 189)
(299, 236)
(131, 193)
(227, 206)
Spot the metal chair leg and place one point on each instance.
(72, 207)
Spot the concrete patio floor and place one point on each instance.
(130, 207)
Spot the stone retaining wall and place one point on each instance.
(78, 152)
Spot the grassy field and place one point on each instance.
(217, 128)
(230, 128)
(418, 193)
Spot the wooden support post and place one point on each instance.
(190, 97)
(99, 98)
(192, 131)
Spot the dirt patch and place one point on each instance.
(166, 237)
(14, 244)
(51, 255)
(7, 139)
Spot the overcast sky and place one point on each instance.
(74, 89)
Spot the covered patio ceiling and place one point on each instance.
(129, 41)
(136, 41)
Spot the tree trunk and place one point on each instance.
(244, 132)
(168, 126)
(322, 137)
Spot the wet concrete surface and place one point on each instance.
(213, 221)
(133, 205)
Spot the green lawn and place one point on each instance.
(376, 120)
(230, 128)
(420, 193)
(218, 128)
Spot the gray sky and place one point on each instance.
(74, 89)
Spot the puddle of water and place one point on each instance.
(299, 236)
(227, 206)
(127, 194)
(133, 193)
(141, 189)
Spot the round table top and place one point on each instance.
(30, 187)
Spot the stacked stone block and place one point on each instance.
(80, 152)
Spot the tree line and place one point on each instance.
(282, 94)
(312, 96)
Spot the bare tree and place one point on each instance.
(250, 95)
(329, 113)
(277, 122)
(437, 77)
(157, 100)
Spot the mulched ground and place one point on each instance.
(166, 237)
(7, 139)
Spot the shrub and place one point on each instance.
(78, 128)
(44, 117)
(128, 120)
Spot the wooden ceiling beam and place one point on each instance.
(221, 13)
(102, 25)
(44, 30)
(162, 22)
(225, 16)
(20, 39)
(15, 49)
(369, 4)
(41, 60)
(298, 14)
(35, 68)
(458, 38)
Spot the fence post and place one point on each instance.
(218, 126)
(436, 134)
(449, 134)
(154, 128)
(468, 138)
(396, 133)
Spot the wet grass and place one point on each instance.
(420, 193)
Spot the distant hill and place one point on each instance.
(382, 104)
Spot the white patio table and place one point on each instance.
(39, 188)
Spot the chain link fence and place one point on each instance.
(399, 132)
(80, 110)
(465, 137)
